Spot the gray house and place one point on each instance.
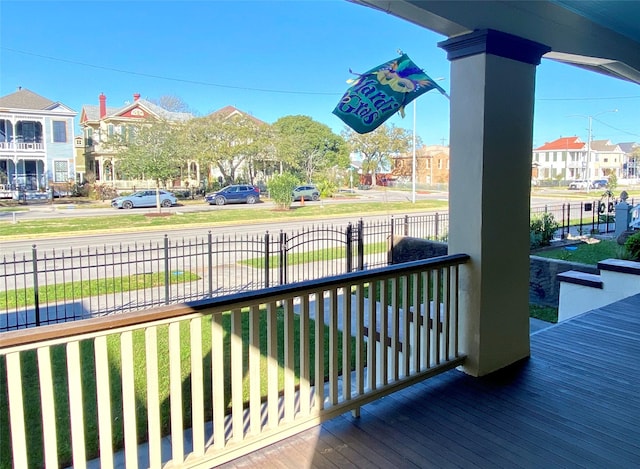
(36, 142)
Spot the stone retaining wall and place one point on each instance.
(544, 287)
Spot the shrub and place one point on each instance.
(281, 189)
(327, 188)
(542, 228)
(632, 246)
(102, 192)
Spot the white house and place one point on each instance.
(565, 158)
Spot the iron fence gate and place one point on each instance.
(46, 287)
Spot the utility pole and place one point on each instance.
(413, 162)
(589, 137)
(587, 178)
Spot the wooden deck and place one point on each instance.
(574, 403)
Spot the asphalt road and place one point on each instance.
(60, 211)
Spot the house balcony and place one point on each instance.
(252, 380)
(22, 146)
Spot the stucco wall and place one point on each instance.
(544, 288)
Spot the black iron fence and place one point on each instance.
(46, 287)
(582, 218)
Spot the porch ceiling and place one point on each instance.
(599, 35)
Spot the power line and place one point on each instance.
(263, 90)
(615, 128)
(601, 98)
(160, 77)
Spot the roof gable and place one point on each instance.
(59, 107)
(563, 143)
(231, 111)
(91, 112)
(26, 99)
(138, 109)
(604, 145)
(628, 147)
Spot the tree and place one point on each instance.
(172, 103)
(308, 147)
(227, 142)
(152, 153)
(378, 147)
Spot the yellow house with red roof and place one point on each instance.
(100, 123)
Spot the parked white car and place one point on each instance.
(579, 185)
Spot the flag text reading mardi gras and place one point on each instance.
(366, 101)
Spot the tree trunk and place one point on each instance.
(158, 207)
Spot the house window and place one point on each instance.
(60, 171)
(110, 130)
(439, 164)
(59, 131)
(26, 132)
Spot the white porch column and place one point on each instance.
(492, 100)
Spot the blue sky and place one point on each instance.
(267, 58)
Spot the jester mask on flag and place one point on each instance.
(377, 94)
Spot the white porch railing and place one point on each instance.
(240, 372)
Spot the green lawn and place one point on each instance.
(313, 256)
(107, 221)
(586, 252)
(53, 293)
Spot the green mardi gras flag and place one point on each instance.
(377, 94)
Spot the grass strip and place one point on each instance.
(590, 252)
(317, 255)
(139, 221)
(83, 289)
(545, 313)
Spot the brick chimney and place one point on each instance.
(103, 105)
(136, 96)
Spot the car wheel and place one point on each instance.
(251, 199)
(315, 197)
(220, 201)
(127, 204)
(166, 203)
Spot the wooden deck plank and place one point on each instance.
(345, 428)
(573, 403)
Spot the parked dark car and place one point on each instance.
(234, 194)
(309, 192)
(599, 183)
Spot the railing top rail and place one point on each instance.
(210, 306)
